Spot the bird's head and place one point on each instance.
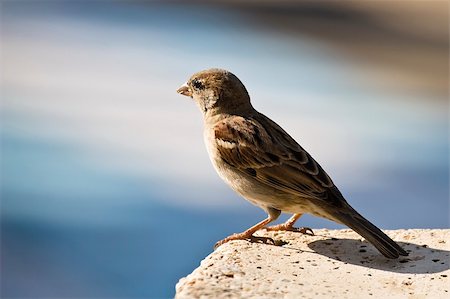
(217, 91)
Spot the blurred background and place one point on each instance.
(106, 187)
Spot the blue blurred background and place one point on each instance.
(106, 188)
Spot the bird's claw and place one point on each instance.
(264, 240)
(250, 238)
(304, 230)
(284, 227)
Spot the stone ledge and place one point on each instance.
(334, 263)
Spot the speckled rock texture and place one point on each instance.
(331, 264)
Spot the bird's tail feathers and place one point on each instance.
(388, 247)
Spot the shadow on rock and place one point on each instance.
(421, 259)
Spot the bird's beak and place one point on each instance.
(185, 90)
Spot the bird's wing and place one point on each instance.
(262, 149)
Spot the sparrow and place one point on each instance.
(266, 166)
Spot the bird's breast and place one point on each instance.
(229, 174)
(247, 186)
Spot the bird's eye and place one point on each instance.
(197, 84)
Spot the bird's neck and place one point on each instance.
(216, 114)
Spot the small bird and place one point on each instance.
(265, 165)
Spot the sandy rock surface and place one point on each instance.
(333, 263)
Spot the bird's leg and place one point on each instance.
(289, 226)
(248, 234)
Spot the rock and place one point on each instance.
(333, 263)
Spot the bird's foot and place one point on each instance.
(245, 236)
(287, 227)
